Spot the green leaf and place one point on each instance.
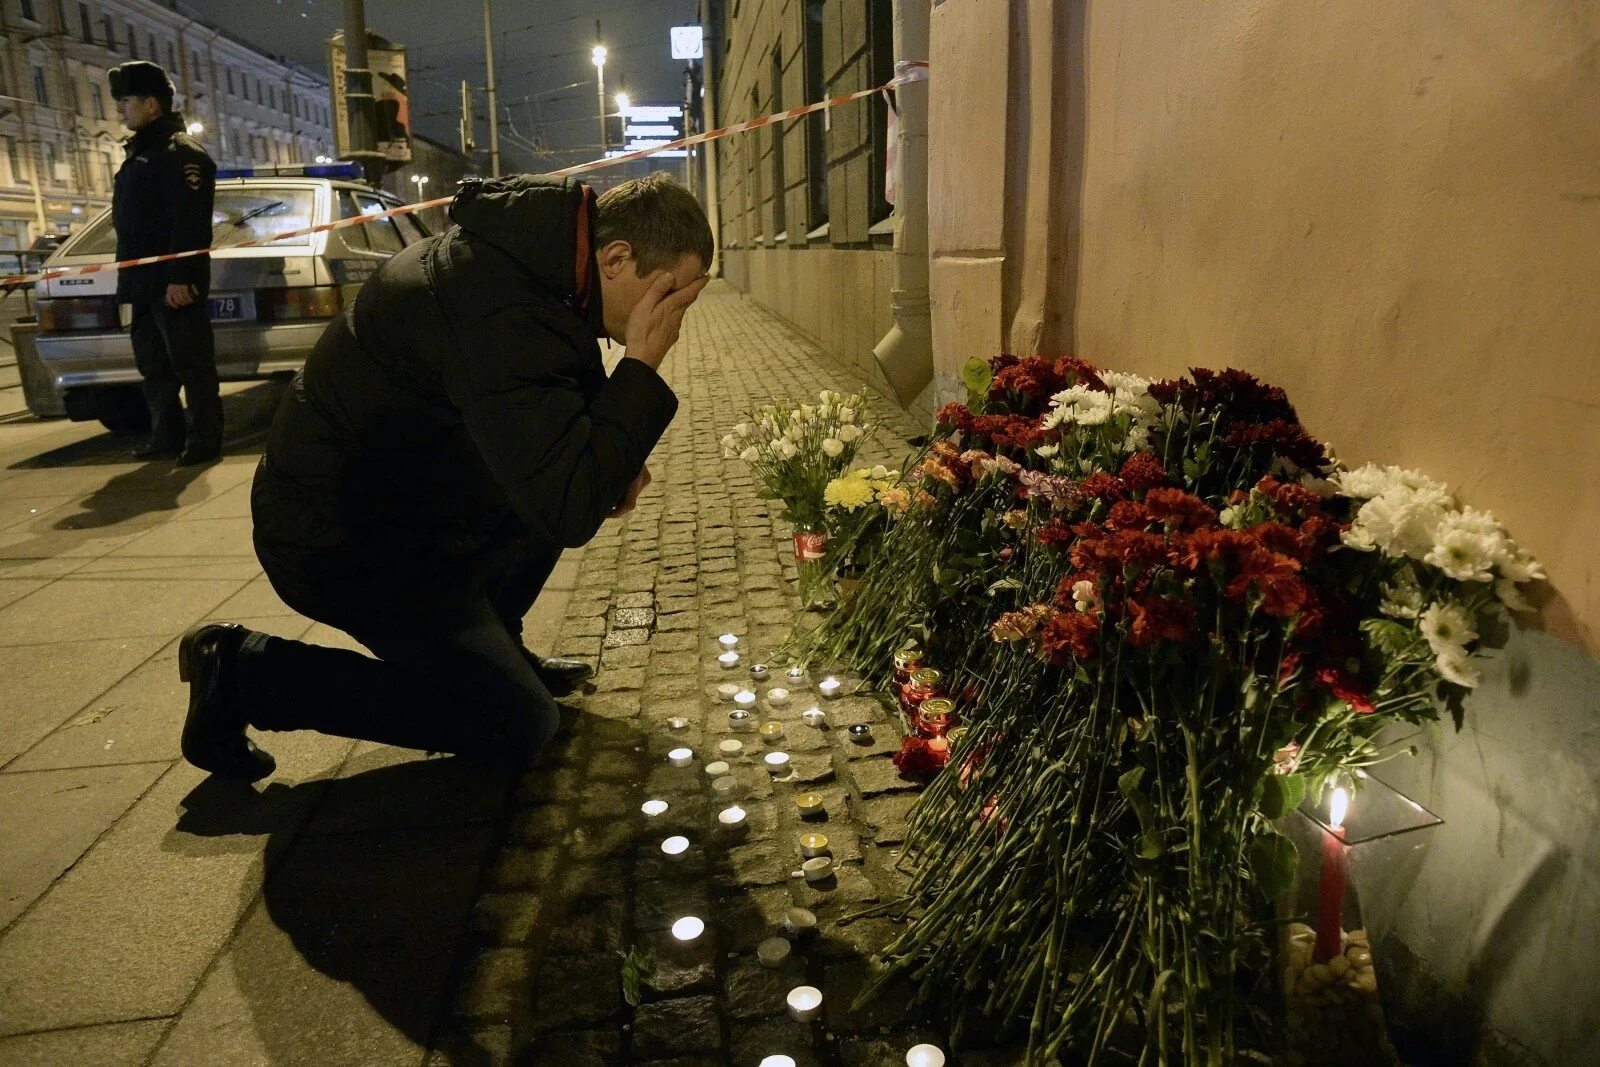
(1004, 585)
(1281, 794)
(977, 376)
(1150, 845)
(1273, 861)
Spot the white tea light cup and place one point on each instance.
(817, 868)
(805, 1002)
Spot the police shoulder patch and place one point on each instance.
(191, 175)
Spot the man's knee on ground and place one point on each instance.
(521, 733)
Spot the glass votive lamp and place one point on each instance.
(925, 1056)
(809, 805)
(829, 687)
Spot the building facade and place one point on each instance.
(60, 138)
(806, 227)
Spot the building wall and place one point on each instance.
(443, 167)
(828, 274)
(253, 107)
(1391, 209)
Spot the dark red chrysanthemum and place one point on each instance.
(1178, 509)
(1284, 438)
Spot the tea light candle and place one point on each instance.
(776, 1061)
(653, 808)
(729, 660)
(925, 1056)
(800, 921)
(675, 847)
(745, 699)
(678, 722)
(726, 786)
(717, 769)
(688, 928)
(809, 804)
(829, 687)
(777, 696)
(777, 763)
(730, 747)
(729, 641)
(773, 951)
(732, 818)
(772, 732)
(796, 675)
(805, 1002)
(813, 845)
(817, 868)
(741, 720)
(814, 717)
(759, 671)
(727, 691)
(861, 733)
(681, 757)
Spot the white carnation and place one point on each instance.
(847, 415)
(848, 433)
(833, 447)
(1083, 595)
(879, 473)
(786, 448)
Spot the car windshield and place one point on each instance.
(238, 214)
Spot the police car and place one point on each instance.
(268, 304)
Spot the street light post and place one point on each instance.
(599, 55)
(494, 115)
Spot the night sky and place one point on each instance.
(541, 49)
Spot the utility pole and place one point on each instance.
(600, 84)
(363, 147)
(468, 144)
(494, 115)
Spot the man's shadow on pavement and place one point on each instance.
(373, 878)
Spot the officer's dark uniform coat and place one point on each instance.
(163, 203)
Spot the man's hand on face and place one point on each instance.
(653, 327)
(631, 497)
(180, 296)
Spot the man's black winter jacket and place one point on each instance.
(464, 387)
(162, 203)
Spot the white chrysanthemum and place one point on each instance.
(1047, 451)
(1457, 667)
(1447, 628)
(1518, 566)
(786, 448)
(833, 447)
(1509, 595)
(1403, 599)
(1138, 439)
(1080, 405)
(1364, 482)
(749, 454)
(1465, 550)
(1400, 521)
(848, 433)
(1117, 379)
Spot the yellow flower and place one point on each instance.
(848, 492)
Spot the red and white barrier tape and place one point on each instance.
(909, 72)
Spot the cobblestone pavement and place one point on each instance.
(582, 881)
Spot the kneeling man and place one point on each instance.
(451, 433)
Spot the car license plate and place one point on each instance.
(230, 307)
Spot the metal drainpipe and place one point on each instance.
(905, 354)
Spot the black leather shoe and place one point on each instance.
(196, 454)
(561, 676)
(213, 734)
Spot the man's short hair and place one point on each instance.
(660, 218)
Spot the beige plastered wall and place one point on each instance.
(1390, 208)
(837, 297)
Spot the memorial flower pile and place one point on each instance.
(1168, 614)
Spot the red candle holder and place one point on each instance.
(935, 716)
(922, 684)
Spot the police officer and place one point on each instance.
(162, 204)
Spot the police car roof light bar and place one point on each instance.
(350, 171)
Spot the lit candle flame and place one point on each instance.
(1338, 807)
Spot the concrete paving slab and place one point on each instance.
(440, 791)
(236, 567)
(16, 588)
(127, 933)
(98, 607)
(230, 504)
(348, 957)
(43, 685)
(256, 600)
(16, 509)
(41, 566)
(114, 1045)
(193, 537)
(50, 818)
(25, 543)
(138, 719)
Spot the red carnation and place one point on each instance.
(1056, 534)
(1180, 509)
(1159, 618)
(1143, 471)
(1104, 486)
(1070, 371)
(1129, 515)
(1272, 575)
(956, 417)
(918, 761)
(1346, 689)
(1287, 496)
(1070, 635)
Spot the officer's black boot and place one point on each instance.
(166, 425)
(204, 442)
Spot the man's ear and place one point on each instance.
(614, 258)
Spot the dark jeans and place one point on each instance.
(451, 673)
(173, 348)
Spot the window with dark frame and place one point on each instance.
(880, 40)
(28, 12)
(111, 32)
(86, 22)
(133, 41)
(41, 91)
(816, 131)
(779, 193)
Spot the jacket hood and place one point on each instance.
(544, 224)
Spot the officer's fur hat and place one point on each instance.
(141, 79)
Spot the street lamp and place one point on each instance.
(324, 159)
(419, 180)
(196, 129)
(599, 56)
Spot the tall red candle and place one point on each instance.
(1330, 891)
